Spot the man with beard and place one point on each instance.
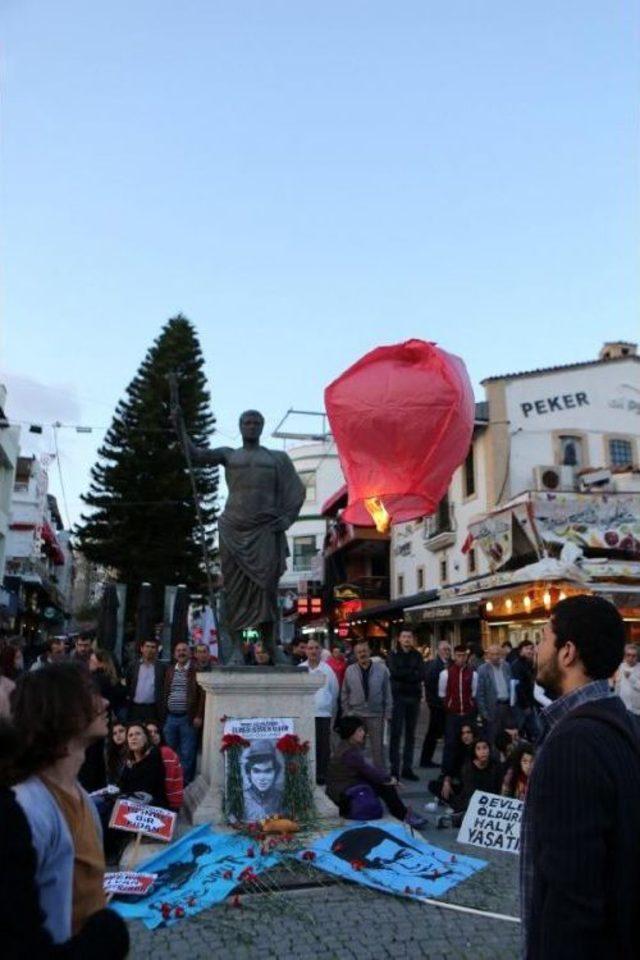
(580, 857)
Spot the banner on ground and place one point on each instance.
(492, 822)
(261, 764)
(199, 870)
(128, 883)
(387, 857)
(138, 817)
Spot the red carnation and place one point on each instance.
(308, 855)
(227, 875)
(178, 912)
(232, 740)
(357, 864)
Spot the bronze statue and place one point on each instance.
(265, 497)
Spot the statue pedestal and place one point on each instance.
(244, 692)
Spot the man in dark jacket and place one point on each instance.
(432, 672)
(405, 667)
(580, 857)
(523, 675)
(144, 685)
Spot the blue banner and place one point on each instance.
(199, 870)
(387, 857)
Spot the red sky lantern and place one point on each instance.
(402, 418)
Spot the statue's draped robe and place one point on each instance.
(253, 549)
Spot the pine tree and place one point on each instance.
(143, 521)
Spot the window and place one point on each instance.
(620, 452)
(400, 585)
(420, 578)
(570, 451)
(469, 474)
(443, 516)
(471, 561)
(308, 478)
(443, 571)
(304, 550)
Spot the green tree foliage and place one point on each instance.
(143, 521)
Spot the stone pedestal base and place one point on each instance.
(243, 692)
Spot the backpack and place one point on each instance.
(364, 803)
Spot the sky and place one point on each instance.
(306, 182)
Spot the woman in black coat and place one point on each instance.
(143, 770)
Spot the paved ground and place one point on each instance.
(351, 922)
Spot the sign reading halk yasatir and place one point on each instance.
(492, 822)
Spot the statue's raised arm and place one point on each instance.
(201, 456)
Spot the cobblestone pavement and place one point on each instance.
(351, 922)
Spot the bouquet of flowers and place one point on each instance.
(232, 745)
(298, 792)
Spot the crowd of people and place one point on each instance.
(76, 732)
(72, 724)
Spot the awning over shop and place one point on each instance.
(386, 610)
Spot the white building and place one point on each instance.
(9, 441)
(558, 439)
(318, 466)
(35, 558)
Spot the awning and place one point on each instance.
(334, 500)
(383, 610)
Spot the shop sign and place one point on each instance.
(607, 522)
(456, 611)
(564, 401)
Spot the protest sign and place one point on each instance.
(492, 822)
(139, 818)
(261, 764)
(385, 856)
(128, 883)
(199, 870)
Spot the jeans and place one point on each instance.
(404, 717)
(181, 736)
(375, 735)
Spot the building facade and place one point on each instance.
(38, 565)
(553, 477)
(9, 445)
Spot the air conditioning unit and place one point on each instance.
(595, 480)
(554, 478)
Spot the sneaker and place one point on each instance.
(415, 820)
(409, 775)
(433, 806)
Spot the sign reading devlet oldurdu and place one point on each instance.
(492, 822)
(262, 765)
